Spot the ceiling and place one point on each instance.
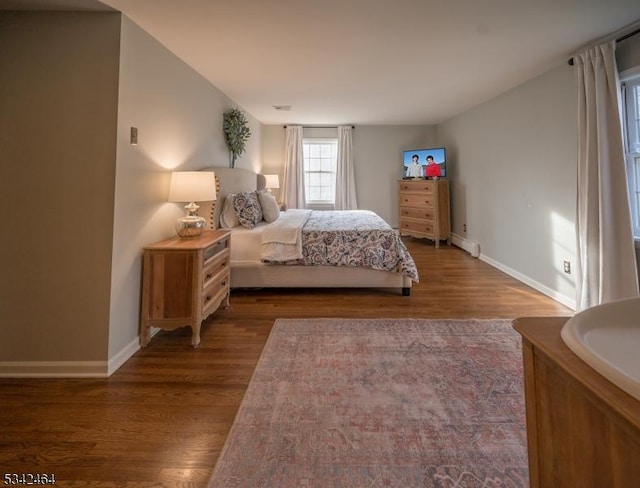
(57, 5)
(371, 61)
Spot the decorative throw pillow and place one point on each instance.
(248, 208)
(270, 208)
(228, 216)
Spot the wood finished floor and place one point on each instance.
(162, 418)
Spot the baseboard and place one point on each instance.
(53, 369)
(70, 369)
(558, 297)
(472, 247)
(124, 354)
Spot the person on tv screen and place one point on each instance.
(415, 170)
(432, 168)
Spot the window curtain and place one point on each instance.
(293, 181)
(606, 268)
(345, 179)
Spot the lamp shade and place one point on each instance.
(272, 181)
(192, 186)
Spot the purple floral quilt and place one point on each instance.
(353, 238)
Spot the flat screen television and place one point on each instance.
(429, 163)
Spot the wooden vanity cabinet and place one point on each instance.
(582, 430)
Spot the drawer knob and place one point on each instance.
(224, 283)
(208, 298)
(209, 276)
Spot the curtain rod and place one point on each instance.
(320, 126)
(619, 39)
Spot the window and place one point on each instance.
(631, 107)
(320, 156)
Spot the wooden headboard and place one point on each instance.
(230, 180)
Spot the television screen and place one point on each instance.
(424, 163)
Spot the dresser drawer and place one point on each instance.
(215, 249)
(420, 227)
(219, 263)
(409, 200)
(422, 186)
(417, 213)
(215, 291)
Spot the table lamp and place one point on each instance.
(272, 181)
(192, 186)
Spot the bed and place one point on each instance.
(377, 245)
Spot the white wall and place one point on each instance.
(378, 164)
(377, 159)
(273, 140)
(628, 53)
(179, 119)
(513, 177)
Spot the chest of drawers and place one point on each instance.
(424, 209)
(183, 282)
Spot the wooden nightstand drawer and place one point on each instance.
(217, 248)
(417, 213)
(216, 290)
(214, 266)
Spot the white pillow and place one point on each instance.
(228, 216)
(270, 208)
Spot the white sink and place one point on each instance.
(607, 338)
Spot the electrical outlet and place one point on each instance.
(134, 136)
(567, 267)
(464, 228)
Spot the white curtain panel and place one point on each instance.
(345, 175)
(606, 268)
(293, 181)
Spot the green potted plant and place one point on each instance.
(236, 132)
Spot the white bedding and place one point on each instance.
(282, 239)
(246, 244)
(279, 240)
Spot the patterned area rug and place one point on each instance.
(381, 403)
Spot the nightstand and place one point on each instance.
(183, 282)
